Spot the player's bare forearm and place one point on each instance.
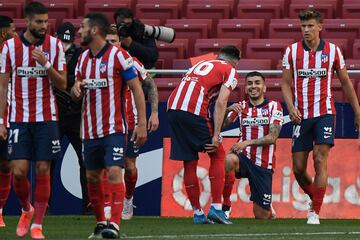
(152, 94)
(274, 131)
(58, 78)
(4, 82)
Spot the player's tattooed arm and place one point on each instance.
(153, 123)
(274, 131)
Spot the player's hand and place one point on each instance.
(236, 107)
(3, 132)
(295, 116)
(139, 135)
(77, 89)
(39, 56)
(213, 146)
(239, 146)
(153, 123)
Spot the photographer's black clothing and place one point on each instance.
(142, 47)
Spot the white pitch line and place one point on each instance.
(239, 235)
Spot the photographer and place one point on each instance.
(131, 32)
(70, 111)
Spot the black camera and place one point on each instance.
(137, 30)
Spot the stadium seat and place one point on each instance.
(267, 49)
(285, 28)
(273, 89)
(342, 43)
(12, 9)
(190, 29)
(21, 26)
(160, 11)
(283, 4)
(335, 4)
(60, 11)
(351, 9)
(353, 64)
(107, 9)
(181, 64)
(356, 49)
(326, 9)
(254, 64)
(240, 28)
(181, 4)
(203, 46)
(170, 51)
(214, 11)
(165, 86)
(153, 21)
(337, 91)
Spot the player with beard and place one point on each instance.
(253, 156)
(101, 75)
(35, 61)
(7, 31)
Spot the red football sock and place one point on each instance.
(22, 191)
(118, 194)
(41, 197)
(5, 185)
(308, 189)
(192, 183)
(228, 186)
(130, 182)
(106, 187)
(96, 197)
(217, 174)
(318, 196)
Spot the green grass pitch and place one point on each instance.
(80, 227)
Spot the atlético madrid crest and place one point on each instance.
(324, 58)
(102, 67)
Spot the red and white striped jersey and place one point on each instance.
(201, 86)
(103, 104)
(254, 124)
(32, 98)
(131, 112)
(312, 74)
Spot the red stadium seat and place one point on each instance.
(356, 49)
(160, 11)
(181, 4)
(335, 4)
(254, 64)
(170, 51)
(337, 91)
(285, 28)
(13, 9)
(148, 21)
(326, 9)
(342, 43)
(267, 48)
(207, 10)
(351, 9)
(282, 3)
(190, 29)
(165, 86)
(107, 9)
(181, 63)
(353, 64)
(273, 89)
(203, 46)
(60, 11)
(240, 28)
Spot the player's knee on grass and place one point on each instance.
(231, 162)
(261, 213)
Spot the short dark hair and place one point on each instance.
(5, 21)
(112, 30)
(35, 8)
(123, 13)
(254, 74)
(308, 14)
(230, 51)
(99, 20)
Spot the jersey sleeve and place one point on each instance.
(126, 65)
(339, 62)
(60, 61)
(142, 73)
(286, 61)
(230, 79)
(5, 63)
(276, 114)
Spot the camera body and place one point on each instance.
(137, 30)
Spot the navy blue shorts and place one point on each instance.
(38, 141)
(104, 152)
(3, 150)
(131, 150)
(260, 180)
(318, 130)
(189, 135)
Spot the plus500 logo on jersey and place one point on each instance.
(31, 72)
(95, 83)
(312, 72)
(257, 121)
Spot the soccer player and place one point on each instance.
(206, 83)
(253, 156)
(35, 61)
(102, 72)
(310, 63)
(132, 152)
(7, 31)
